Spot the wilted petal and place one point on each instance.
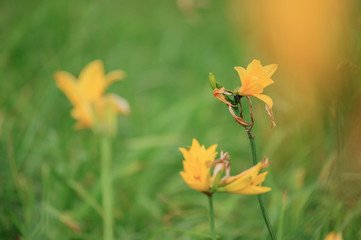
(120, 104)
(218, 93)
(270, 114)
(239, 120)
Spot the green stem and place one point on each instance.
(260, 198)
(106, 181)
(211, 213)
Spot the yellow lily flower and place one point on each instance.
(198, 162)
(248, 182)
(254, 79)
(334, 236)
(86, 94)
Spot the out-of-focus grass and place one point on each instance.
(50, 173)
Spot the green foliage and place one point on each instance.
(50, 185)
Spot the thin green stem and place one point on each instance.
(211, 213)
(260, 198)
(107, 193)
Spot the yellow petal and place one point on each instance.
(92, 80)
(260, 178)
(241, 72)
(269, 70)
(247, 173)
(254, 68)
(114, 76)
(68, 84)
(83, 113)
(252, 190)
(196, 147)
(268, 100)
(265, 82)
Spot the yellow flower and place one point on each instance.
(334, 236)
(86, 94)
(249, 181)
(254, 79)
(197, 165)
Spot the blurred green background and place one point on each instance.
(49, 174)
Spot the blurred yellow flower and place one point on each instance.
(334, 236)
(197, 165)
(254, 79)
(86, 94)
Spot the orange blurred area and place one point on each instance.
(317, 86)
(308, 39)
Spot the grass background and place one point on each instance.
(49, 173)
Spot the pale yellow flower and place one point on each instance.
(334, 236)
(87, 94)
(197, 165)
(254, 79)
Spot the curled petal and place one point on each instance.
(218, 93)
(239, 120)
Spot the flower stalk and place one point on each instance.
(259, 196)
(106, 182)
(211, 214)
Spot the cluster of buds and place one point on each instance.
(253, 81)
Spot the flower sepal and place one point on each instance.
(212, 81)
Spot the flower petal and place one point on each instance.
(253, 190)
(269, 70)
(68, 84)
(120, 104)
(218, 93)
(84, 114)
(114, 76)
(92, 80)
(241, 72)
(268, 100)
